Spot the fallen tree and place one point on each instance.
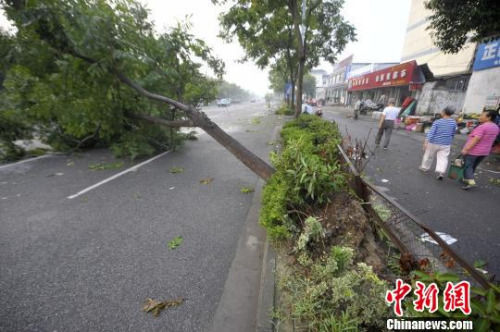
(110, 42)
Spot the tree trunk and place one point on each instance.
(301, 53)
(293, 95)
(200, 119)
(300, 77)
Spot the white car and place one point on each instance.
(224, 102)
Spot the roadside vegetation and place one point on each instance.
(334, 265)
(319, 227)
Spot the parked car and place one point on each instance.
(224, 102)
(369, 106)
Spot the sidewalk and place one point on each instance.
(491, 163)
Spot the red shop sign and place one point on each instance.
(398, 75)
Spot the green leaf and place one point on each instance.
(247, 190)
(176, 170)
(175, 242)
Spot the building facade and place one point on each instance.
(398, 82)
(484, 85)
(321, 77)
(451, 72)
(337, 90)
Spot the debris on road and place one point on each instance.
(104, 166)
(247, 190)
(445, 237)
(175, 242)
(155, 307)
(176, 170)
(206, 180)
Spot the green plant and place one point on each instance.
(313, 232)
(383, 212)
(485, 304)
(307, 174)
(284, 109)
(335, 292)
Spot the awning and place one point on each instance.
(407, 73)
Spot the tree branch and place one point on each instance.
(162, 122)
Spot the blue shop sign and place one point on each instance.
(487, 55)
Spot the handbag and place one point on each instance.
(456, 170)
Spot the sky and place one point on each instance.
(380, 27)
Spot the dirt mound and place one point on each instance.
(346, 224)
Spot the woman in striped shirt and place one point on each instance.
(438, 142)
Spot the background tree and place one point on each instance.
(233, 91)
(258, 24)
(74, 55)
(453, 22)
(265, 31)
(310, 85)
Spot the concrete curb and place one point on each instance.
(237, 309)
(267, 291)
(247, 301)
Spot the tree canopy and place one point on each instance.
(270, 30)
(453, 22)
(60, 74)
(76, 54)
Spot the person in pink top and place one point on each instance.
(478, 145)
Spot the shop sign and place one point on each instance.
(487, 55)
(393, 76)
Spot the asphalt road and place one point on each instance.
(89, 263)
(472, 217)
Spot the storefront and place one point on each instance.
(398, 82)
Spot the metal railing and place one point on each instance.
(403, 219)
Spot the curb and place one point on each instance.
(248, 297)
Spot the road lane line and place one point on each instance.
(111, 178)
(25, 161)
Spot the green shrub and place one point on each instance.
(307, 173)
(336, 292)
(284, 109)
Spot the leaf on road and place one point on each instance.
(175, 242)
(104, 166)
(206, 180)
(176, 170)
(247, 190)
(155, 307)
(255, 120)
(70, 163)
(479, 264)
(271, 143)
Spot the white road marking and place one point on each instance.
(111, 178)
(25, 161)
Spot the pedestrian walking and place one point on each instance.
(386, 124)
(438, 143)
(479, 145)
